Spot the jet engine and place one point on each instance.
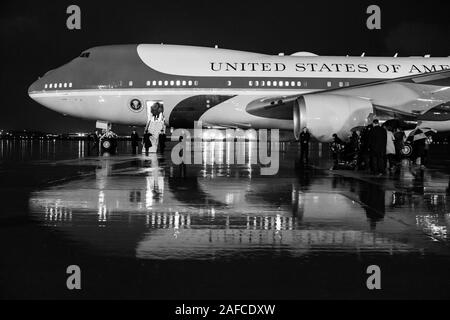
(326, 114)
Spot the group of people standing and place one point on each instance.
(379, 148)
(375, 147)
(146, 141)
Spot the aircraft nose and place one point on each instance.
(36, 87)
(33, 88)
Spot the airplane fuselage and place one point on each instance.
(215, 86)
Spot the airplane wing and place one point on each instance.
(409, 98)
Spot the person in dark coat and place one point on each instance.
(147, 142)
(304, 145)
(95, 137)
(162, 141)
(399, 142)
(336, 146)
(134, 141)
(355, 142)
(418, 150)
(364, 152)
(377, 147)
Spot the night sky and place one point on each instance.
(34, 37)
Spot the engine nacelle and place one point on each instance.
(326, 114)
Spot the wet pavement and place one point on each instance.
(142, 227)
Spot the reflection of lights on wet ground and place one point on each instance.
(56, 213)
(229, 198)
(250, 159)
(102, 210)
(278, 223)
(149, 192)
(176, 225)
(80, 149)
(230, 152)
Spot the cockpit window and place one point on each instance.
(85, 55)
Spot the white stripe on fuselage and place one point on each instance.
(113, 105)
(193, 61)
(168, 91)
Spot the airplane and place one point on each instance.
(223, 88)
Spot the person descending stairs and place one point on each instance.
(155, 125)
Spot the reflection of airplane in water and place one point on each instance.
(139, 208)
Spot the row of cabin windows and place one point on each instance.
(290, 84)
(171, 83)
(191, 83)
(277, 83)
(58, 85)
(341, 84)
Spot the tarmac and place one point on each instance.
(142, 227)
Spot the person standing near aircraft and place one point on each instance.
(96, 138)
(336, 148)
(424, 160)
(377, 147)
(418, 151)
(364, 152)
(162, 141)
(146, 141)
(399, 142)
(390, 148)
(304, 146)
(134, 141)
